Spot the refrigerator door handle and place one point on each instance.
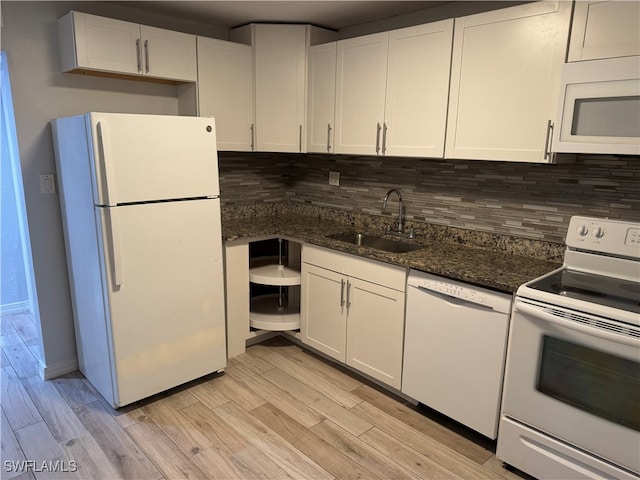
(107, 165)
(112, 232)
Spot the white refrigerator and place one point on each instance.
(141, 215)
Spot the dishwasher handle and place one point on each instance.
(453, 300)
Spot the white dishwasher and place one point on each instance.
(454, 349)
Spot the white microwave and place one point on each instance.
(599, 108)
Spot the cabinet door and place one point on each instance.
(100, 43)
(361, 72)
(280, 78)
(505, 81)
(417, 90)
(168, 54)
(323, 311)
(375, 329)
(225, 91)
(605, 29)
(322, 98)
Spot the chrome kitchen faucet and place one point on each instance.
(400, 214)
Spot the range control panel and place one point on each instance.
(613, 237)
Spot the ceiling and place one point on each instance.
(329, 14)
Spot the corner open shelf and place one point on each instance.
(275, 292)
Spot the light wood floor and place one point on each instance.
(277, 412)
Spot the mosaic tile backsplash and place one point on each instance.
(526, 200)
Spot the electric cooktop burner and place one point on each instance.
(607, 291)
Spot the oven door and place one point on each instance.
(575, 377)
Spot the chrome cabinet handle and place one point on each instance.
(384, 138)
(328, 138)
(342, 292)
(146, 55)
(548, 140)
(253, 147)
(300, 139)
(378, 128)
(139, 54)
(348, 294)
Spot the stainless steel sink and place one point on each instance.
(379, 243)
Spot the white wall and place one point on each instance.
(40, 94)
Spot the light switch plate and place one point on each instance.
(334, 179)
(47, 184)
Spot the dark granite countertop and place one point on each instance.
(452, 257)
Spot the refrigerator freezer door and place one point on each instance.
(143, 158)
(166, 308)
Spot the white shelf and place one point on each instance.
(276, 275)
(266, 316)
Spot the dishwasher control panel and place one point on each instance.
(459, 290)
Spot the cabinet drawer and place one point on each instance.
(391, 276)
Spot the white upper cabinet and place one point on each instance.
(280, 79)
(392, 90)
(321, 98)
(93, 43)
(417, 91)
(361, 75)
(605, 29)
(225, 91)
(505, 82)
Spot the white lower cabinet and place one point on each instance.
(352, 310)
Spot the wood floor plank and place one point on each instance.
(221, 435)
(73, 388)
(5, 326)
(406, 456)
(314, 447)
(240, 394)
(19, 355)
(91, 462)
(362, 453)
(125, 416)
(318, 401)
(312, 379)
(276, 396)
(188, 438)
(256, 364)
(4, 361)
(127, 458)
(271, 444)
(163, 452)
(255, 464)
(10, 450)
(435, 451)
(25, 326)
(314, 364)
(55, 411)
(215, 464)
(16, 402)
(39, 446)
(423, 424)
(208, 394)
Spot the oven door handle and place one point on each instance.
(578, 327)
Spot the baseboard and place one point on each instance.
(16, 307)
(53, 371)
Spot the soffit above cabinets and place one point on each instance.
(328, 14)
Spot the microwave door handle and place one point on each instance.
(561, 322)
